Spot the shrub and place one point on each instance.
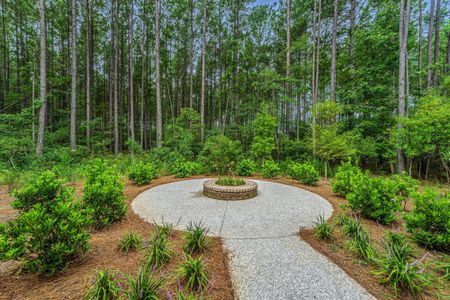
(54, 235)
(270, 169)
(196, 238)
(104, 287)
(405, 186)
(159, 251)
(305, 173)
(183, 169)
(44, 189)
(361, 244)
(103, 193)
(350, 226)
(141, 173)
(220, 153)
(145, 285)
(323, 230)
(429, 221)
(230, 181)
(193, 272)
(342, 182)
(130, 241)
(374, 198)
(394, 268)
(246, 167)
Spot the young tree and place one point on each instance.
(42, 79)
(73, 93)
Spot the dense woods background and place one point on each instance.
(346, 78)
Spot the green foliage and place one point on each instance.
(196, 239)
(103, 193)
(270, 169)
(429, 222)
(145, 285)
(394, 268)
(405, 186)
(159, 250)
(183, 169)
(44, 189)
(360, 242)
(342, 182)
(164, 229)
(220, 154)
(104, 287)
(264, 140)
(141, 173)
(49, 237)
(305, 173)
(246, 167)
(130, 241)
(193, 272)
(323, 230)
(375, 198)
(230, 181)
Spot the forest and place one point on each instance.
(344, 104)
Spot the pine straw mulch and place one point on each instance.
(336, 250)
(73, 282)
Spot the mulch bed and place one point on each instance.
(73, 282)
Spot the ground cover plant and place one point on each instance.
(230, 181)
(192, 272)
(104, 287)
(130, 241)
(196, 239)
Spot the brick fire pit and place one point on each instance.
(242, 192)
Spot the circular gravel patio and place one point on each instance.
(268, 260)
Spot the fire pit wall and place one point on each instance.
(230, 193)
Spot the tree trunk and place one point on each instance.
(158, 76)
(73, 71)
(420, 46)
(202, 96)
(430, 44)
(313, 79)
(437, 43)
(447, 61)
(116, 79)
(288, 62)
(333, 53)
(42, 79)
(89, 63)
(191, 56)
(131, 69)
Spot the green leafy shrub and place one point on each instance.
(52, 236)
(141, 173)
(220, 154)
(394, 268)
(145, 285)
(130, 241)
(405, 186)
(323, 230)
(342, 182)
(103, 193)
(375, 198)
(183, 169)
(104, 287)
(246, 167)
(196, 239)
(230, 181)
(263, 143)
(44, 189)
(306, 173)
(159, 250)
(270, 169)
(192, 271)
(429, 222)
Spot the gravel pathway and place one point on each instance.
(268, 259)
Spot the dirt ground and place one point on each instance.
(73, 282)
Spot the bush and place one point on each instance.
(103, 193)
(220, 153)
(183, 169)
(429, 222)
(230, 181)
(323, 230)
(145, 285)
(51, 236)
(141, 173)
(44, 189)
(306, 173)
(196, 238)
(342, 182)
(405, 186)
(192, 271)
(270, 169)
(374, 198)
(104, 287)
(394, 268)
(130, 241)
(246, 167)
